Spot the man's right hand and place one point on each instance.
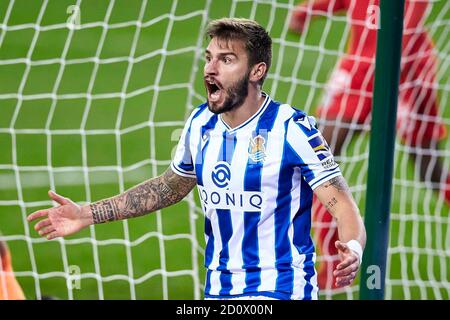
(64, 220)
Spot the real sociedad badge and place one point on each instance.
(257, 149)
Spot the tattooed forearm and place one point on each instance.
(338, 183)
(151, 195)
(104, 210)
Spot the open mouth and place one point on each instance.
(214, 90)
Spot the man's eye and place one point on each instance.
(208, 59)
(226, 60)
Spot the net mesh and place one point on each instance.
(93, 97)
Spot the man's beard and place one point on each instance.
(236, 95)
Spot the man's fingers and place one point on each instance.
(347, 263)
(343, 272)
(37, 214)
(46, 230)
(347, 255)
(42, 224)
(52, 235)
(56, 197)
(345, 281)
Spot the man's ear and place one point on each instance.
(258, 71)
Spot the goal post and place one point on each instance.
(380, 171)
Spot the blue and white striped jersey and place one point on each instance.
(255, 183)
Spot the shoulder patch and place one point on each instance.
(307, 122)
(304, 122)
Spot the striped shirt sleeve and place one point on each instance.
(312, 151)
(182, 163)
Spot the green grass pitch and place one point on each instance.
(92, 130)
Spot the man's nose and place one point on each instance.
(211, 67)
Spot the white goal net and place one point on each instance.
(93, 96)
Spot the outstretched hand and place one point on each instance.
(347, 269)
(63, 220)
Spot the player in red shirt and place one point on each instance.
(9, 287)
(348, 97)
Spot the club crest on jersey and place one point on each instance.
(257, 149)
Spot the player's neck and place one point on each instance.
(251, 105)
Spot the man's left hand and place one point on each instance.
(347, 269)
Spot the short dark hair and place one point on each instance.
(258, 43)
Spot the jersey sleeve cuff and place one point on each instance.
(182, 172)
(324, 178)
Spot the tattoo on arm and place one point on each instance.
(330, 204)
(151, 195)
(338, 183)
(104, 210)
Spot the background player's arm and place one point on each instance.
(414, 16)
(336, 197)
(414, 24)
(9, 287)
(300, 11)
(2, 250)
(149, 196)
